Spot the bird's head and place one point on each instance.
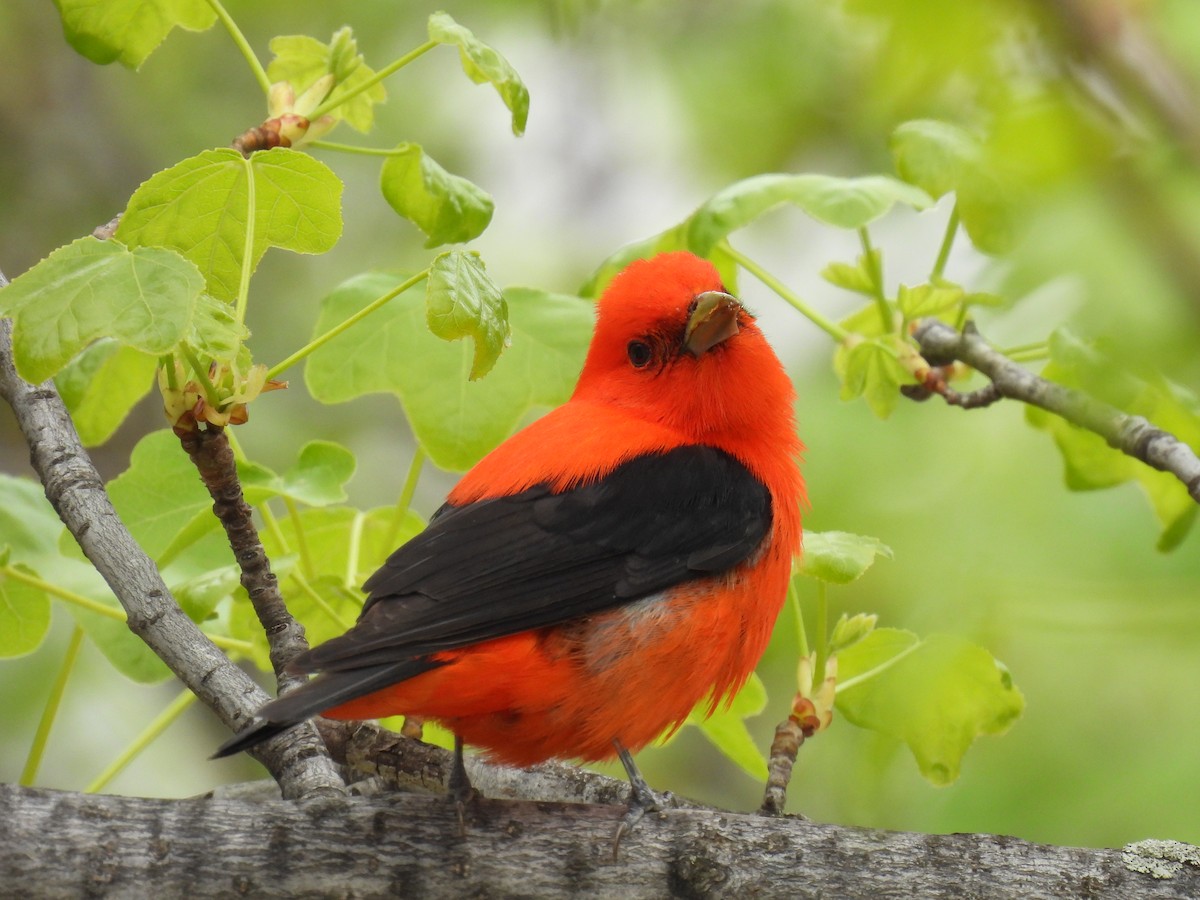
(674, 348)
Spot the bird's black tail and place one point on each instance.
(327, 690)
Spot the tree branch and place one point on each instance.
(1132, 435)
(408, 845)
(212, 455)
(75, 490)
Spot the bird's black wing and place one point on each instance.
(499, 566)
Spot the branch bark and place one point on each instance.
(75, 490)
(408, 845)
(1132, 435)
(212, 455)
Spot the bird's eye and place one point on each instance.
(640, 354)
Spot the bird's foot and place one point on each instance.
(459, 787)
(642, 799)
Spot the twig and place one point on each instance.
(76, 491)
(1132, 435)
(789, 737)
(211, 453)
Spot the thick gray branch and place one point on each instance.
(408, 845)
(1132, 435)
(77, 494)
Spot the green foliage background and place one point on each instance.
(640, 111)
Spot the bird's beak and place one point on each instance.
(715, 319)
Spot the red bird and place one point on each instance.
(602, 571)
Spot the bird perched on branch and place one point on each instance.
(603, 570)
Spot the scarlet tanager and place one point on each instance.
(602, 571)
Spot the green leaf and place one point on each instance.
(936, 695)
(159, 494)
(449, 209)
(215, 333)
(987, 212)
(317, 479)
(201, 208)
(199, 595)
(128, 31)
(843, 202)
(300, 60)
(838, 557)
(24, 615)
(455, 421)
(28, 524)
(482, 63)
(670, 240)
(934, 155)
(873, 372)
(101, 386)
(91, 289)
(727, 731)
(849, 630)
(462, 301)
(857, 277)
(928, 300)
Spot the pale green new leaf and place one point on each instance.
(927, 300)
(484, 64)
(92, 289)
(101, 386)
(462, 301)
(300, 60)
(128, 31)
(455, 420)
(936, 695)
(24, 614)
(843, 202)
(449, 209)
(838, 557)
(201, 207)
(856, 277)
(873, 372)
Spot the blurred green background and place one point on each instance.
(639, 111)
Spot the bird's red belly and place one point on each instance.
(567, 691)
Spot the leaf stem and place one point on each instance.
(260, 74)
(167, 364)
(328, 336)
(42, 736)
(821, 638)
(243, 295)
(793, 597)
(319, 601)
(104, 609)
(404, 503)
(201, 372)
(306, 560)
(354, 550)
(874, 266)
(149, 734)
(331, 102)
(360, 151)
(939, 265)
(832, 329)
